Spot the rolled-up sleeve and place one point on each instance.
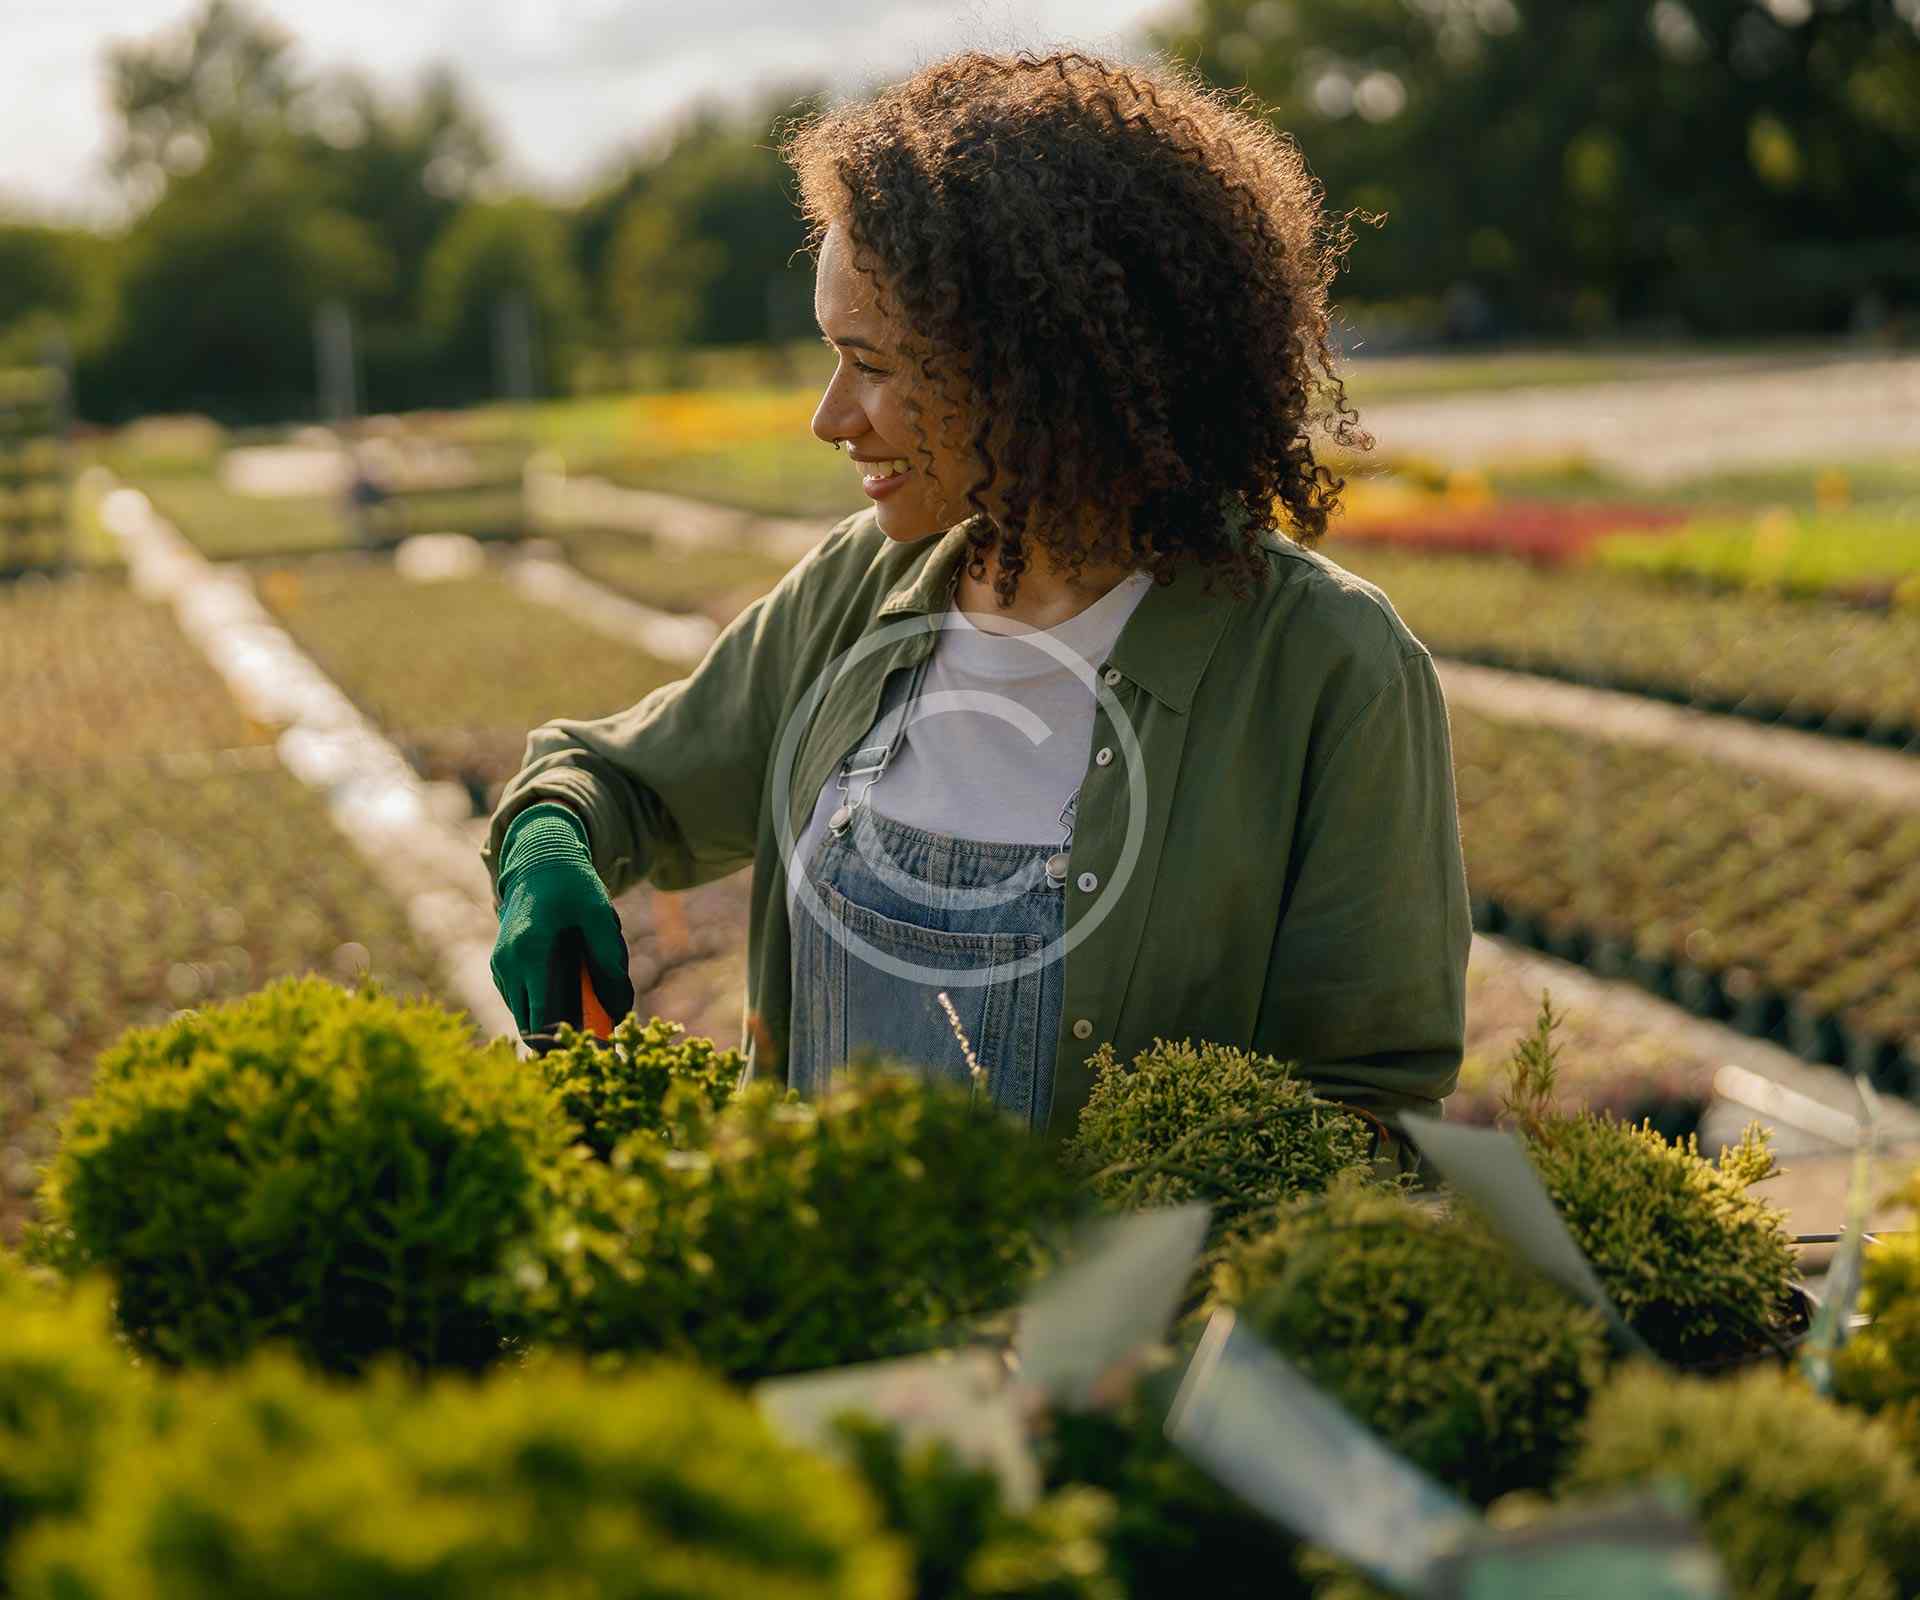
(670, 789)
(1366, 984)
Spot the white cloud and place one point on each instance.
(567, 84)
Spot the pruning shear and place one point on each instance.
(585, 1013)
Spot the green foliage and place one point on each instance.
(1878, 1369)
(63, 1378)
(336, 1169)
(1213, 1123)
(1426, 1328)
(489, 253)
(1576, 215)
(644, 1078)
(800, 1235)
(967, 1543)
(1172, 1519)
(274, 1483)
(1700, 1269)
(1803, 1499)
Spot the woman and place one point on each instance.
(1061, 742)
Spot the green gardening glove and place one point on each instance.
(554, 913)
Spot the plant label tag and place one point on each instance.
(1122, 1279)
(960, 1396)
(1257, 1424)
(1490, 1169)
(1642, 1545)
(1834, 1320)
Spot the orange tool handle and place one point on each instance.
(592, 1013)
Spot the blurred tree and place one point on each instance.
(680, 247)
(224, 69)
(218, 289)
(490, 251)
(1740, 164)
(657, 277)
(404, 168)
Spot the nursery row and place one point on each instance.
(415, 1317)
(1870, 555)
(1831, 669)
(715, 582)
(224, 526)
(1742, 896)
(127, 894)
(455, 672)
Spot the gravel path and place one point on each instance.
(1656, 430)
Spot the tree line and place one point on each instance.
(1542, 168)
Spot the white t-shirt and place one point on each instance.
(998, 738)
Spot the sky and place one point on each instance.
(567, 84)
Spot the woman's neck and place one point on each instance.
(1045, 597)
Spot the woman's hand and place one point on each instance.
(551, 913)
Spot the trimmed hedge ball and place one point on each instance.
(1424, 1326)
(335, 1169)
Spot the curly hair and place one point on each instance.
(1128, 274)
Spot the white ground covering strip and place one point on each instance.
(1657, 430)
(682, 639)
(557, 500)
(405, 830)
(1838, 767)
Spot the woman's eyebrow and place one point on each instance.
(850, 344)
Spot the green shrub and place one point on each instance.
(1699, 1268)
(967, 1543)
(643, 1078)
(332, 1168)
(1803, 1499)
(1425, 1327)
(1878, 1369)
(802, 1235)
(271, 1482)
(1171, 1518)
(63, 1378)
(1212, 1123)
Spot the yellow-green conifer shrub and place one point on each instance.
(1699, 1267)
(645, 1077)
(1209, 1122)
(968, 1544)
(329, 1167)
(800, 1235)
(1803, 1499)
(1878, 1369)
(273, 1482)
(64, 1377)
(1425, 1327)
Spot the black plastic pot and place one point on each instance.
(1814, 1035)
(1781, 1348)
(1653, 973)
(1611, 957)
(1569, 943)
(1700, 991)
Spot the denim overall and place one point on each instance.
(978, 911)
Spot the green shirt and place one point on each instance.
(1274, 837)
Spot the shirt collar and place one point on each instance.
(1164, 646)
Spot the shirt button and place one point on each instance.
(1082, 1028)
(1089, 882)
(1103, 755)
(1112, 676)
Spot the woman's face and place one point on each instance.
(865, 403)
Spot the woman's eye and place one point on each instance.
(872, 372)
